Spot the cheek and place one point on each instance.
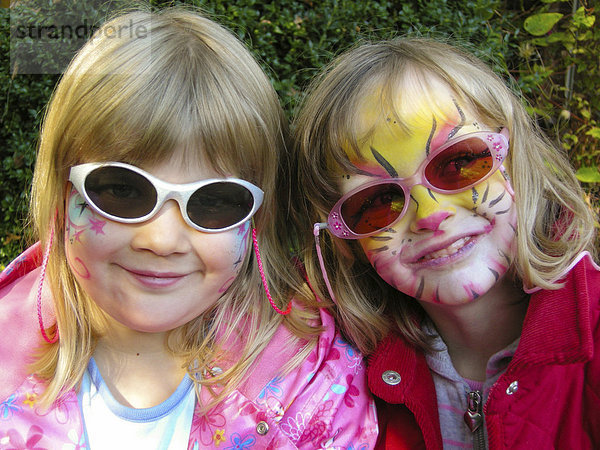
(86, 235)
(234, 244)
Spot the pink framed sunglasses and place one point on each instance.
(454, 167)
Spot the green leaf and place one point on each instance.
(540, 24)
(580, 19)
(594, 132)
(588, 175)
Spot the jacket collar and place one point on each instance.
(557, 329)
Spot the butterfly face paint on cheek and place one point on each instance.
(240, 246)
(81, 225)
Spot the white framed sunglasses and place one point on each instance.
(128, 194)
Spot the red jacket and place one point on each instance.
(548, 398)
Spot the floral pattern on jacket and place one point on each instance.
(323, 403)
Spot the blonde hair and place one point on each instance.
(554, 221)
(145, 84)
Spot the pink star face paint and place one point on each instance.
(156, 275)
(448, 248)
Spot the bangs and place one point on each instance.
(146, 100)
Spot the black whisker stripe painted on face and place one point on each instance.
(414, 200)
(381, 238)
(431, 195)
(497, 199)
(380, 249)
(420, 289)
(475, 195)
(462, 120)
(485, 193)
(504, 255)
(430, 138)
(496, 274)
(384, 163)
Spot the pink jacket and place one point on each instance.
(323, 403)
(548, 398)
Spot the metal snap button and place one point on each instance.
(391, 377)
(512, 388)
(262, 428)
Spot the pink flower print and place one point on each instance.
(60, 409)
(293, 427)
(205, 425)
(320, 424)
(9, 407)
(241, 443)
(333, 355)
(352, 391)
(34, 434)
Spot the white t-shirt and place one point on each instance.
(110, 425)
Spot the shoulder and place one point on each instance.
(18, 317)
(325, 399)
(24, 423)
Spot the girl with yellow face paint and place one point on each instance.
(458, 243)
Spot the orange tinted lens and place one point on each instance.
(460, 165)
(373, 208)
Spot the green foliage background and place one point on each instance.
(545, 49)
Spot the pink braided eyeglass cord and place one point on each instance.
(39, 291)
(264, 280)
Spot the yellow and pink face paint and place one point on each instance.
(448, 248)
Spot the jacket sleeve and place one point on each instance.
(591, 394)
(333, 407)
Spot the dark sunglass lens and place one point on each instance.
(460, 165)
(120, 192)
(373, 208)
(219, 205)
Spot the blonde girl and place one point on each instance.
(459, 250)
(157, 177)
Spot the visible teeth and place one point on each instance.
(450, 250)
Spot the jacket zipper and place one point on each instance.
(474, 419)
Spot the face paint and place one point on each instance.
(448, 249)
(242, 238)
(159, 274)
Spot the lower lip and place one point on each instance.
(450, 259)
(156, 282)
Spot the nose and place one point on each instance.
(165, 233)
(429, 213)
